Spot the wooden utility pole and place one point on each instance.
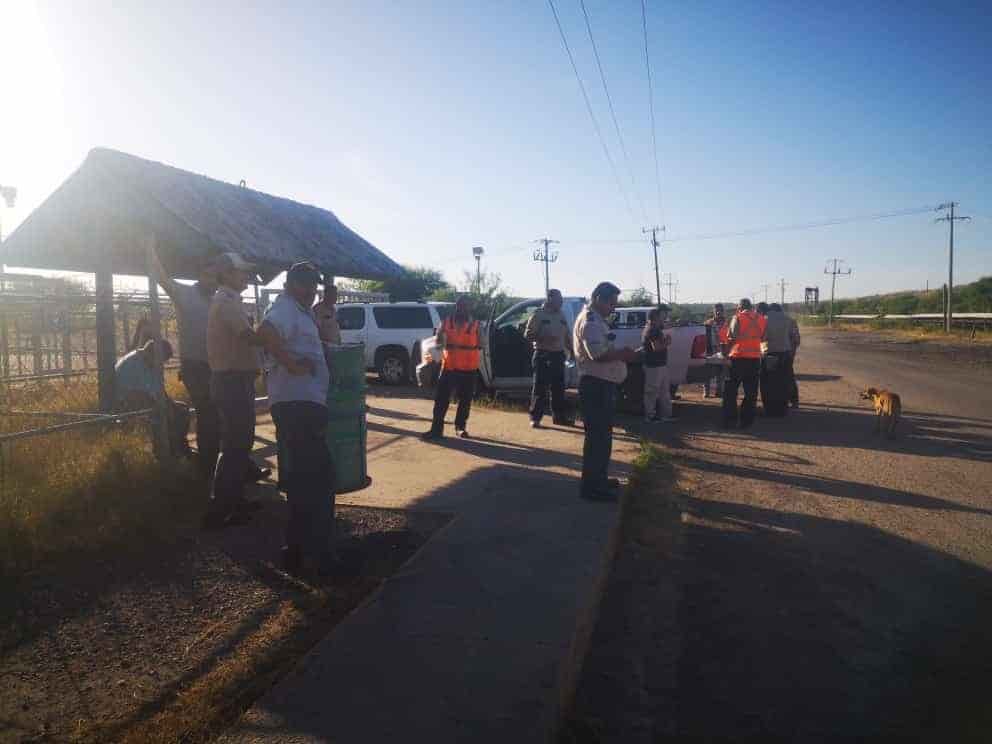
(950, 219)
(543, 254)
(654, 244)
(782, 285)
(834, 272)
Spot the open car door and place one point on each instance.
(486, 357)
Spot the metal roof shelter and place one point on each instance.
(116, 208)
(99, 217)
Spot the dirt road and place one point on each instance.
(827, 584)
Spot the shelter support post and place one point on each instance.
(106, 347)
(67, 342)
(160, 437)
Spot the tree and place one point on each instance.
(639, 297)
(417, 283)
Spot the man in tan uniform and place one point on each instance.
(548, 330)
(326, 316)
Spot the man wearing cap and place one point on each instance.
(548, 330)
(232, 350)
(327, 317)
(192, 304)
(459, 338)
(601, 369)
(297, 386)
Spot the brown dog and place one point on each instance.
(888, 409)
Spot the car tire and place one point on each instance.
(394, 367)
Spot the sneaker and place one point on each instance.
(562, 422)
(462, 434)
(535, 424)
(431, 435)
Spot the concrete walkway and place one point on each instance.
(467, 642)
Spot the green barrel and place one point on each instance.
(346, 428)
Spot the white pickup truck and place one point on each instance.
(506, 355)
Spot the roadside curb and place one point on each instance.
(570, 671)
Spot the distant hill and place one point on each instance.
(968, 298)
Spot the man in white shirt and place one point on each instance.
(601, 369)
(297, 386)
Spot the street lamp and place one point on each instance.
(477, 251)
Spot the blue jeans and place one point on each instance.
(598, 399)
(309, 482)
(234, 395)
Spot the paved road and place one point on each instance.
(833, 585)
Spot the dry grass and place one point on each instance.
(79, 490)
(907, 330)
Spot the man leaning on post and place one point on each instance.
(297, 386)
(548, 330)
(601, 369)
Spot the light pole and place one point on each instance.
(477, 251)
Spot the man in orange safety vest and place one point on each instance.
(459, 337)
(745, 334)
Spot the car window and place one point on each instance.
(351, 318)
(518, 319)
(403, 317)
(637, 319)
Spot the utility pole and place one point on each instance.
(545, 255)
(834, 272)
(765, 287)
(9, 195)
(782, 285)
(477, 251)
(949, 218)
(654, 244)
(671, 283)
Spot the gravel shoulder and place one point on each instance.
(172, 643)
(808, 581)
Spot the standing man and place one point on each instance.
(548, 330)
(192, 303)
(775, 348)
(794, 340)
(459, 337)
(747, 330)
(298, 397)
(717, 337)
(655, 364)
(601, 369)
(326, 314)
(232, 350)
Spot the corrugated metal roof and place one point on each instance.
(103, 209)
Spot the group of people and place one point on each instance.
(222, 353)
(761, 344)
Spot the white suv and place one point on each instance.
(391, 332)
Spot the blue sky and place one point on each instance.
(432, 127)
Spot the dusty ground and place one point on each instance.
(808, 581)
(918, 347)
(183, 635)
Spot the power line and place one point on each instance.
(776, 228)
(613, 113)
(592, 116)
(654, 135)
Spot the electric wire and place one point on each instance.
(592, 116)
(613, 113)
(654, 133)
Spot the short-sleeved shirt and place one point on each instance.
(327, 323)
(654, 358)
(590, 340)
(297, 327)
(133, 375)
(548, 329)
(227, 351)
(192, 310)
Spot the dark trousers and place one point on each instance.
(775, 385)
(196, 377)
(549, 372)
(598, 399)
(746, 372)
(790, 367)
(234, 395)
(309, 482)
(464, 384)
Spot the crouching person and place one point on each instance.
(137, 385)
(297, 386)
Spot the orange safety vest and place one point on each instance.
(750, 329)
(723, 332)
(461, 346)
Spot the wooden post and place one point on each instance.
(125, 325)
(67, 343)
(36, 322)
(106, 348)
(160, 436)
(4, 343)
